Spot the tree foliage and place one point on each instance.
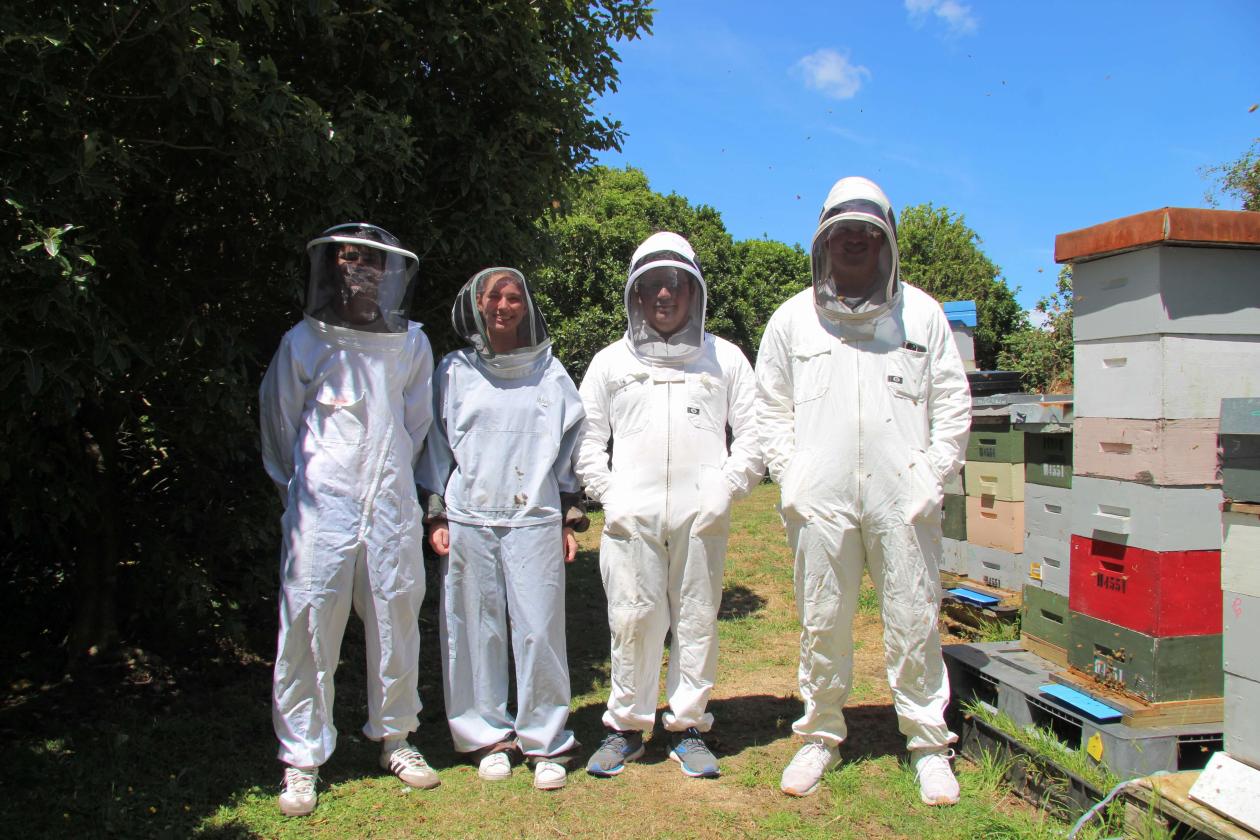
(582, 281)
(942, 256)
(1239, 178)
(163, 164)
(1043, 355)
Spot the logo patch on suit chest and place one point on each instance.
(691, 409)
(896, 379)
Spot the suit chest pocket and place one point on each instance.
(706, 402)
(908, 374)
(339, 416)
(811, 373)
(630, 404)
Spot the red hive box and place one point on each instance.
(1159, 593)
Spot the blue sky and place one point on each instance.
(1030, 119)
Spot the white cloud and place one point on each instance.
(957, 17)
(832, 73)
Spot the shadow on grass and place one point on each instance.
(739, 602)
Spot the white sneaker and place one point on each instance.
(299, 796)
(405, 762)
(495, 767)
(548, 775)
(937, 785)
(804, 773)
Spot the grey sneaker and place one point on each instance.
(693, 755)
(614, 751)
(299, 796)
(406, 762)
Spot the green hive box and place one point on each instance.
(1049, 459)
(954, 522)
(996, 443)
(1046, 616)
(1157, 669)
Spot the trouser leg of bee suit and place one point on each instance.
(312, 623)
(902, 559)
(490, 572)
(652, 588)
(391, 632)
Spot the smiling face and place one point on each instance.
(665, 295)
(502, 305)
(853, 249)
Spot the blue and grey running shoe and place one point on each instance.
(693, 755)
(614, 751)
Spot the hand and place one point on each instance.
(440, 538)
(570, 546)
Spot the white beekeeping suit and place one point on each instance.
(345, 406)
(665, 402)
(863, 412)
(499, 468)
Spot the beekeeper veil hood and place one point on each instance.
(854, 252)
(496, 314)
(665, 300)
(360, 278)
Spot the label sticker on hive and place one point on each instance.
(1034, 571)
(1094, 747)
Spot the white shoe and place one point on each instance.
(495, 767)
(937, 785)
(299, 796)
(548, 775)
(405, 762)
(804, 773)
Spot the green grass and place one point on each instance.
(195, 756)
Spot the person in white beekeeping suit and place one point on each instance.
(664, 396)
(503, 502)
(863, 410)
(345, 406)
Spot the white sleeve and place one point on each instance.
(418, 400)
(744, 466)
(565, 468)
(949, 401)
(438, 460)
(281, 398)
(776, 417)
(592, 459)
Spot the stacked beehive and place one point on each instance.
(962, 323)
(1162, 334)
(994, 484)
(1240, 576)
(1047, 430)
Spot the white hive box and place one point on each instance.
(953, 556)
(1148, 451)
(1046, 512)
(1167, 289)
(1242, 723)
(1240, 551)
(995, 567)
(1048, 563)
(1175, 377)
(1241, 643)
(1144, 516)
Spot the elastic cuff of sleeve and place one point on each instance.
(434, 507)
(576, 519)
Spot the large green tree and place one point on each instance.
(162, 164)
(941, 255)
(1043, 354)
